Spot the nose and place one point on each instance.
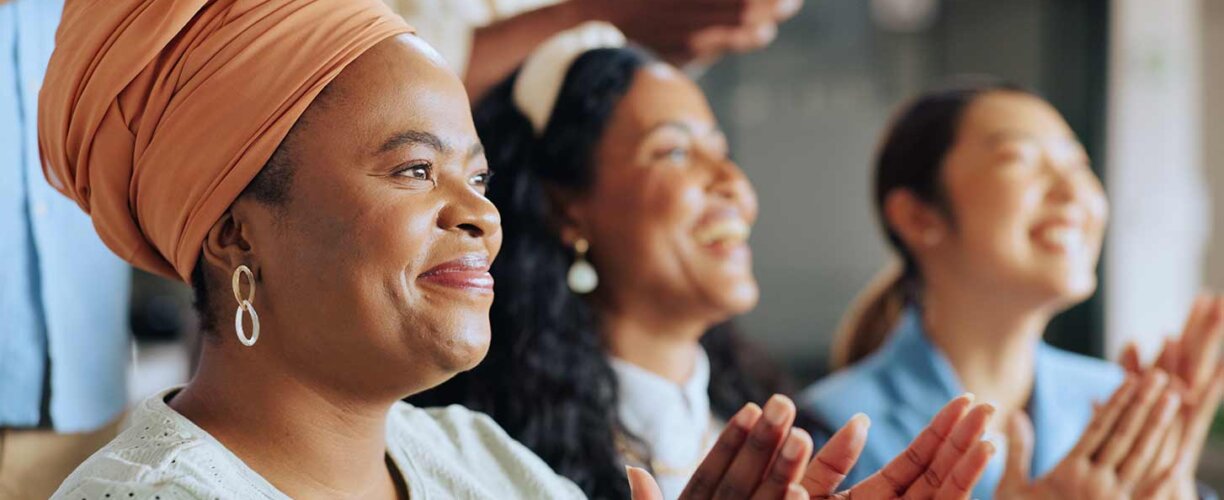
(1067, 180)
(729, 182)
(469, 212)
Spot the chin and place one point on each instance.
(460, 344)
(1070, 291)
(739, 299)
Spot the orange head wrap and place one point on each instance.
(156, 114)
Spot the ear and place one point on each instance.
(920, 225)
(226, 246)
(569, 215)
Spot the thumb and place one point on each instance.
(641, 485)
(1019, 453)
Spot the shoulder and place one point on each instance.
(861, 388)
(161, 454)
(149, 459)
(463, 451)
(1094, 378)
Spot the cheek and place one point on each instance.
(993, 217)
(1096, 205)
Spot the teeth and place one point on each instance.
(1063, 237)
(725, 231)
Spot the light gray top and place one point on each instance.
(447, 453)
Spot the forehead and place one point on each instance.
(399, 83)
(1005, 112)
(659, 94)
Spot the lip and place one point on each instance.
(734, 247)
(468, 272)
(1056, 223)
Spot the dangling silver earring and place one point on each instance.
(582, 278)
(245, 305)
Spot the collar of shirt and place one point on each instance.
(673, 420)
(926, 381)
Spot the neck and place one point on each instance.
(665, 348)
(989, 339)
(303, 440)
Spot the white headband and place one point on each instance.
(539, 81)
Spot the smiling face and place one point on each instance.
(669, 213)
(1028, 213)
(373, 273)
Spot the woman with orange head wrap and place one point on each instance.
(317, 161)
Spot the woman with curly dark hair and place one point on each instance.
(625, 256)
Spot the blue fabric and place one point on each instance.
(63, 294)
(904, 384)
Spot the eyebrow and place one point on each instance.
(1010, 135)
(683, 127)
(427, 139)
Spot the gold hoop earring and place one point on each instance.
(245, 306)
(581, 278)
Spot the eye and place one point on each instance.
(417, 171)
(481, 179)
(676, 154)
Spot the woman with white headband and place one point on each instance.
(625, 255)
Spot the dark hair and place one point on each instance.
(547, 379)
(910, 157)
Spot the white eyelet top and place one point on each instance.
(446, 453)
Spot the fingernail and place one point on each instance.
(744, 417)
(792, 448)
(627, 469)
(989, 409)
(775, 410)
(1161, 377)
(862, 417)
(970, 396)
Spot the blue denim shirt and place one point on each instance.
(904, 384)
(63, 295)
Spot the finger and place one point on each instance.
(796, 492)
(960, 442)
(1170, 449)
(754, 457)
(1019, 453)
(837, 457)
(752, 37)
(714, 466)
(1103, 421)
(1202, 356)
(1141, 458)
(1194, 329)
(966, 473)
(1169, 358)
(786, 9)
(1130, 358)
(1127, 432)
(902, 471)
(1204, 410)
(641, 485)
(787, 468)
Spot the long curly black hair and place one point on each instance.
(547, 379)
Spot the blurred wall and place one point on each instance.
(804, 117)
(1159, 228)
(1213, 132)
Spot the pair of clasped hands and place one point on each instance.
(1144, 442)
